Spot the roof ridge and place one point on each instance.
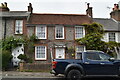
(58, 14)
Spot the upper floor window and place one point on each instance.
(41, 31)
(19, 27)
(112, 36)
(59, 32)
(79, 32)
(40, 52)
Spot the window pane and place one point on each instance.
(59, 32)
(111, 36)
(19, 27)
(92, 56)
(79, 48)
(40, 52)
(41, 32)
(78, 32)
(103, 57)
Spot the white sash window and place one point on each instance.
(19, 27)
(112, 36)
(41, 31)
(59, 32)
(79, 32)
(40, 52)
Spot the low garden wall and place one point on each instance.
(35, 67)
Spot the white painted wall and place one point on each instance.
(106, 37)
(15, 53)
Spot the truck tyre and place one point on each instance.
(74, 75)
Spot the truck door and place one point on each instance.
(98, 64)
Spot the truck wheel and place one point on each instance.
(74, 75)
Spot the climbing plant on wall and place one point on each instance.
(93, 40)
(10, 43)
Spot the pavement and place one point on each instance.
(16, 74)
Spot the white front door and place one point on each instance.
(60, 53)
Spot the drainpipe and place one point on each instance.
(5, 25)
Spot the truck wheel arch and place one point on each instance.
(74, 66)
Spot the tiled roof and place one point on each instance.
(108, 24)
(64, 19)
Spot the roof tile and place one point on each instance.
(64, 19)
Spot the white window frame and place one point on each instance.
(56, 55)
(77, 32)
(109, 36)
(77, 50)
(116, 35)
(56, 31)
(17, 26)
(39, 26)
(36, 58)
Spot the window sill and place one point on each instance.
(18, 34)
(40, 59)
(41, 38)
(59, 38)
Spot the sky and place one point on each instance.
(101, 8)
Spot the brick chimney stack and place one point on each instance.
(89, 10)
(4, 7)
(115, 14)
(30, 9)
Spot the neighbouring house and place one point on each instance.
(111, 25)
(13, 23)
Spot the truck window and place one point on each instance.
(104, 57)
(92, 56)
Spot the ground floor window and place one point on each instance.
(79, 50)
(112, 36)
(40, 52)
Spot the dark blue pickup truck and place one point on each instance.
(89, 64)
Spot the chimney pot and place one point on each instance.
(5, 4)
(4, 7)
(88, 5)
(117, 6)
(30, 4)
(2, 4)
(30, 9)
